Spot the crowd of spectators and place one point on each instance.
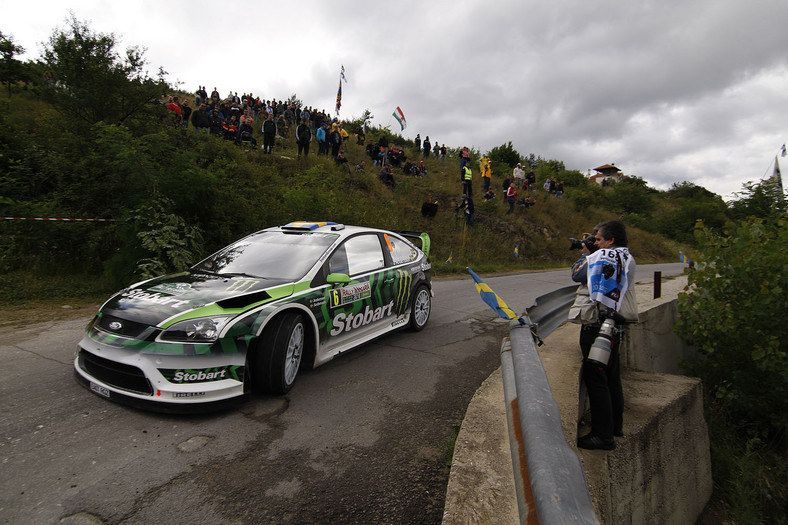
(235, 118)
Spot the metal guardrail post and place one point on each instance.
(555, 475)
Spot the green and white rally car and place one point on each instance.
(250, 315)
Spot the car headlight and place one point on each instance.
(200, 330)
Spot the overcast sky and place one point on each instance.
(668, 90)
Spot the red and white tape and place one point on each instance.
(55, 219)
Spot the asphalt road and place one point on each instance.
(366, 438)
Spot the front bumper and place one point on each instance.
(164, 383)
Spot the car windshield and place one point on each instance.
(270, 255)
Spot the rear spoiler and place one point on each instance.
(423, 237)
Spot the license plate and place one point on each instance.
(100, 390)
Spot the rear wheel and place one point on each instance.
(279, 354)
(420, 309)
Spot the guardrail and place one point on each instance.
(549, 478)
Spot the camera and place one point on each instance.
(589, 242)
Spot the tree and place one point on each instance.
(505, 154)
(11, 69)
(294, 101)
(631, 195)
(764, 200)
(93, 83)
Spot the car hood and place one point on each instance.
(152, 302)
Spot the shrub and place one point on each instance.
(735, 316)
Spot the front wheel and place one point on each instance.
(282, 347)
(420, 309)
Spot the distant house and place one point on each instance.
(606, 174)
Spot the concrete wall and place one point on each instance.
(660, 472)
(651, 344)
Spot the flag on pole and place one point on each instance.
(777, 175)
(400, 116)
(783, 152)
(339, 97)
(342, 74)
(492, 299)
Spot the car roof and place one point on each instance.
(323, 227)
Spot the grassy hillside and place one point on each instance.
(177, 195)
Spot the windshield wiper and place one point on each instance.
(201, 270)
(239, 274)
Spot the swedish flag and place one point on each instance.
(517, 251)
(450, 259)
(492, 299)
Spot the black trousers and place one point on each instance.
(268, 142)
(303, 146)
(605, 394)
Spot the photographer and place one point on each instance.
(606, 273)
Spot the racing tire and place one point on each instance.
(279, 355)
(420, 308)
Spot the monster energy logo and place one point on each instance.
(404, 280)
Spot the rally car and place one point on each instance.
(250, 315)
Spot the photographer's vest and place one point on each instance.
(468, 173)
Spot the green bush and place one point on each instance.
(734, 314)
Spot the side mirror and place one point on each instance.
(338, 278)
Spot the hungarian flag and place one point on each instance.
(400, 116)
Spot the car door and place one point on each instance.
(364, 307)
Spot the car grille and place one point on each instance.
(125, 377)
(127, 328)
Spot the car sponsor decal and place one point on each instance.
(202, 375)
(139, 295)
(350, 294)
(241, 286)
(404, 281)
(172, 288)
(346, 322)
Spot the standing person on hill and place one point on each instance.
(418, 142)
(483, 162)
(303, 138)
(186, 112)
(466, 175)
(269, 134)
(345, 135)
(201, 120)
(383, 149)
(322, 140)
(468, 209)
(486, 174)
(559, 189)
(443, 152)
(519, 175)
(607, 278)
(465, 156)
(531, 180)
(436, 150)
(246, 122)
(335, 140)
(427, 147)
(217, 123)
(511, 197)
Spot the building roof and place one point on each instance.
(607, 167)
